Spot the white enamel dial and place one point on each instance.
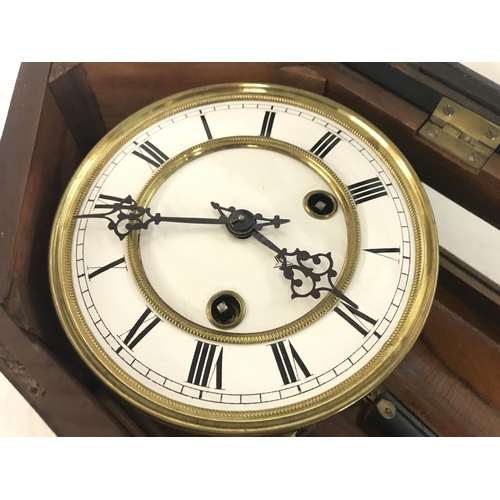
(186, 263)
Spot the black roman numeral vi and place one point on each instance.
(204, 365)
(151, 154)
(325, 145)
(136, 334)
(288, 361)
(367, 190)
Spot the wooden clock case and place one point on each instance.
(450, 378)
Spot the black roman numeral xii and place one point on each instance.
(267, 124)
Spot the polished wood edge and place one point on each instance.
(64, 404)
(16, 150)
(470, 286)
(303, 77)
(76, 99)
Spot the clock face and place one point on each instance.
(243, 258)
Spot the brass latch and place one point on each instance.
(461, 132)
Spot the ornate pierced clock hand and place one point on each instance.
(306, 270)
(132, 217)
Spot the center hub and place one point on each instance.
(241, 223)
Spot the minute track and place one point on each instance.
(247, 398)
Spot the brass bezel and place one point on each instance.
(240, 301)
(344, 198)
(277, 420)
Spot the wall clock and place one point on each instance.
(243, 259)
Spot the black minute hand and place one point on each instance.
(128, 217)
(306, 272)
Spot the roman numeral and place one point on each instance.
(356, 318)
(151, 154)
(288, 361)
(203, 366)
(206, 127)
(267, 124)
(367, 190)
(106, 267)
(325, 145)
(385, 252)
(135, 335)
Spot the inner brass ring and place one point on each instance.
(238, 317)
(308, 209)
(340, 192)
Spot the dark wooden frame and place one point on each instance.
(59, 111)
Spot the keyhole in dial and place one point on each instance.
(225, 309)
(320, 204)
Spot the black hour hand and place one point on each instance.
(125, 211)
(125, 216)
(308, 274)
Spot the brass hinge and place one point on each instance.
(461, 132)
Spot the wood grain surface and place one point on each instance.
(123, 88)
(76, 99)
